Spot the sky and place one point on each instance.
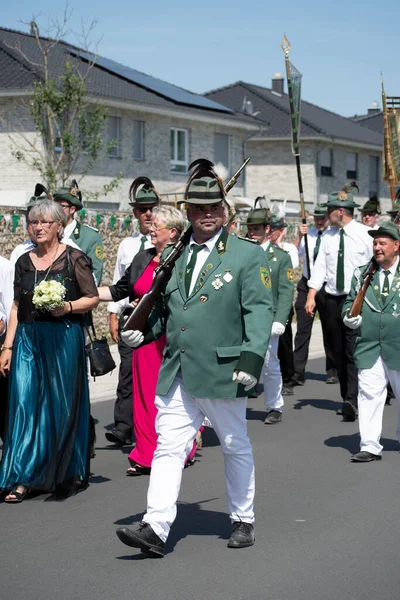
(340, 46)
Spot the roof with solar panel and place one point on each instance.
(107, 79)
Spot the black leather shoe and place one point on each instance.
(118, 437)
(297, 379)
(287, 390)
(349, 411)
(242, 535)
(365, 456)
(272, 417)
(144, 538)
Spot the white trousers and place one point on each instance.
(371, 402)
(178, 420)
(272, 376)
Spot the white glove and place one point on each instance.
(249, 381)
(352, 322)
(277, 328)
(132, 338)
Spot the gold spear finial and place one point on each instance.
(285, 45)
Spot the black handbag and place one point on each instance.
(98, 352)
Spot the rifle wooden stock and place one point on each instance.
(356, 307)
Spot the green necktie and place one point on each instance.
(385, 288)
(143, 240)
(317, 245)
(340, 264)
(191, 264)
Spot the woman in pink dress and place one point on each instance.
(167, 227)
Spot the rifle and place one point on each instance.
(356, 307)
(138, 318)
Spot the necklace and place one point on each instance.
(51, 264)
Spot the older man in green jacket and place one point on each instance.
(377, 347)
(218, 323)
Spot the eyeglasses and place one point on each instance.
(44, 224)
(158, 227)
(65, 205)
(144, 209)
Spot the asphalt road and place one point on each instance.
(326, 528)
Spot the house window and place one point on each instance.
(221, 149)
(374, 176)
(114, 136)
(179, 150)
(58, 127)
(351, 165)
(138, 140)
(84, 127)
(325, 163)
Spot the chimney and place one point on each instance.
(277, 84)
(374, 109)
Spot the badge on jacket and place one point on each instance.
(265, 277)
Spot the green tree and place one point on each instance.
(70, 130)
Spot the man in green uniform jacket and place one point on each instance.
(86, 237)
(282, 279)
(377, 347)
(218, 322)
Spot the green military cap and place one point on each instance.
(396, 205)
(277, 222)
(40, 193)
(142, 192)
(258, 216)
(204, 190)
(71, 194)
(386, 229)
(372, 206)
(343, 198)
(319, 211)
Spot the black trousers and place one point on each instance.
(304, 329)
(285, 350)
(342, 341)
(123, 416)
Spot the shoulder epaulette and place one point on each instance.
(246, 239)
(90, 227)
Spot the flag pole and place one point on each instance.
(295, 127)
(387, 153)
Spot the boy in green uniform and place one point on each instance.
(87, 238)
(282, 280)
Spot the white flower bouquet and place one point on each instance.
(48, 295)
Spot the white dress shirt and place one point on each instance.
(201, 257)
(392, 270)
(357, 252)
(312, 237)
(6, 288)
(28, 245)
(127, 251)
(292, 251)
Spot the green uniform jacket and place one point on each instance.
(218, 328)
(282, 277)
(379, 333)
(89, 241)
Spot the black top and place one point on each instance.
(72, 268)
(124, 287)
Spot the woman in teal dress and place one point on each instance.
(46, 446)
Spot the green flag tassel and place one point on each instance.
(98, 219)
(82, 214)
(15, 220)
(113, 220)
